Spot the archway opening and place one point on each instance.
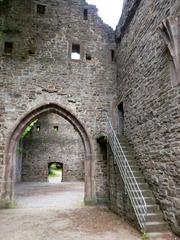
(11, 176)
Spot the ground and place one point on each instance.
(46, 211)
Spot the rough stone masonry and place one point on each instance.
(138, 66)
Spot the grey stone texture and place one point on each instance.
(40, 69)
(52, 139)
(151, 100)
(36, 69)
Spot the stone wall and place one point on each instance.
(52, 139)
(39, 70)
(151, 101)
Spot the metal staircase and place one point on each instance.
(148, 214)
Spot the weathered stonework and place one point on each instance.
(39, 77)
(52, 139)
(39, 71)
(151, 100)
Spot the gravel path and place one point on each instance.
(56, 212)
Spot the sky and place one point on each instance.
(109, 10)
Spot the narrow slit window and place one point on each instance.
(112, 55)
(8, 47)
(75, 52)
(38, 128)
(56, 128)
(85, 14)
(41, 9)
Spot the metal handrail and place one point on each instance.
(131, 185)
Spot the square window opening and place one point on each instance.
(8, 47)
(41, 9)
(85, 14)
(56, 128)
(75, 54)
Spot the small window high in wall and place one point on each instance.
(85, 14)
(75, 54)
(41, 9)
(56, 128)
(112, 55)
(8, 47)
(120, 119)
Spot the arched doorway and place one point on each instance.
(13, 140)
(55, 171)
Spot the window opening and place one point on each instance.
(112, 55)
(120, 118)
(88, 56)
(85, 14)
(41, 9)
(56, 128)
(75, 51)
(8, 47)
(31, 52)
(38, 128)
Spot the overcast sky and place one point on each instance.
(109, 10)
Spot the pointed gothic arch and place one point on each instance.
(10, 152)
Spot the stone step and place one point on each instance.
(145, 193)
(158, 226)
(128, 153)
(137, 173)
(159, 236)
(152, 208)
(148, 200)
(139, 179)
(134, 167)
(155, 225)
(154, 217)
(130, 158)
(142, 186)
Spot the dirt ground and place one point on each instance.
(47, 211)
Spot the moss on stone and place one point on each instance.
(5, 204)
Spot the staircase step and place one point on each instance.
(153, 208)
(148, 200)
(142, 186)
(154, 217)
(137, 174)
(159, 236)
(155, 225)
(134, 168)
(139, 179)
(158, 226)
(147, 193)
